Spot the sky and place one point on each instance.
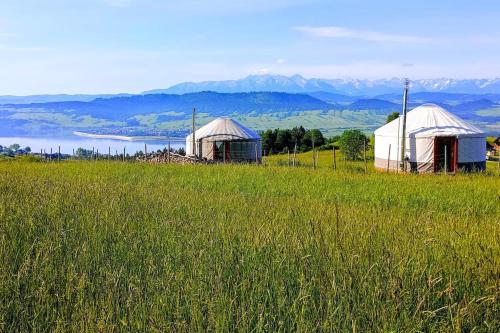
(112, 46)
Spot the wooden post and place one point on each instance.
(389, 158)
(145, 152)
(109, 153)
(97, 154)
(50, 153)
(445, 160)
(294, 153)
(288, 151)
(334, 159)
(59, 154)
(314, 157)
(364, 154)
(403, 138)
(41, 153)
(168, 150)
(256, 152)
(224, 152)
(194, 136)
(498, 162)
(123, 154)
(73, 153)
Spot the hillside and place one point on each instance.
(149, 114)
(133, 247)
(375, 105)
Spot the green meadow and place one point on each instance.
(112, 247)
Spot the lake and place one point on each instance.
(67, 144)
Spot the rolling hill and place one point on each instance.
(331, 112)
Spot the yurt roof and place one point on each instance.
(224, 129)
(429, 120)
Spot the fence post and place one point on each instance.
(145, 152)
(97, 155)
(294, 153)
(109, 153)
(389, 158)
(334, 159)
(314, 156)
(168, 150)
(498, 161)
(59, 154)
(123, 154)
(51, 154)
(445, 160)
(364, 154)
(256, 152)
(288, 151)
(224, 153)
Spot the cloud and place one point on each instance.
(280, 61)
(366, 35)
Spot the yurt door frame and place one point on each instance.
(445, 147)
(222, 150)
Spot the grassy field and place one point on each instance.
(130, 247)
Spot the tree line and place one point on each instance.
(281, 140)
(351, 142)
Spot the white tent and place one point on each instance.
(434, 138)
(225, 139)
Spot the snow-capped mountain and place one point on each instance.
(353, 87)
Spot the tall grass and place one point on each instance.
(130, 247)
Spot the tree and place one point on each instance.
(309, 136)
(27, 149)
(14, 147)
(81, 152)
(352, 143)
(283, 139)
(268, 139)
(297, 134)
(392, 116)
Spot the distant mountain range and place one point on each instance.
(150, 113)
(260, 101)
(349, 87)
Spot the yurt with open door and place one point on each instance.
(225, 140)
(435, 140)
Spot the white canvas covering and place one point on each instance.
(244, 141)
(423, 125)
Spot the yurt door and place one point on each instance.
(445, 153)
(227, 151)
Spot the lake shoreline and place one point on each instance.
(125, 138)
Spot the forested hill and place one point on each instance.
(260, 110)
(214, 104)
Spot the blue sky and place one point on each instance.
(108, 46)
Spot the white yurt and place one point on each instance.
(225, 139)
(435, 139)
